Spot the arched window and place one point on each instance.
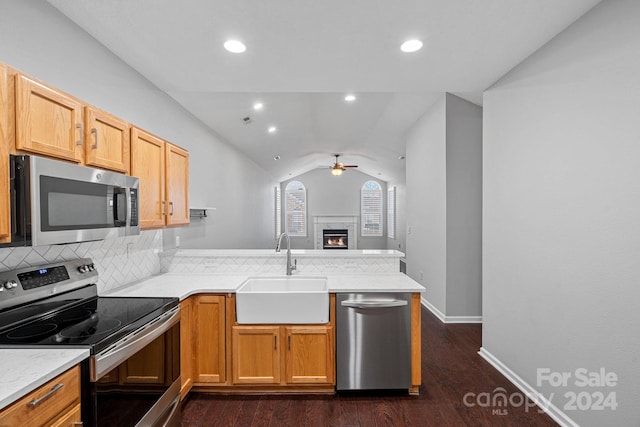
(371, 209)
(295, 209)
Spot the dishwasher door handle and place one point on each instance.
(365, 304)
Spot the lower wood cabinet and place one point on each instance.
(186, 346)
(306, 352)
(310, 355)
(208, 334)
(56, 403)
(256, 354)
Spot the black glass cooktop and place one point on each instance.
(95, 323)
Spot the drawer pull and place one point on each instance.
(36, 402)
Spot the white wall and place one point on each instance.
(426, 204)
(464, 207)
(561, 220)
(335, 195)
(36, 39)
(444, 188)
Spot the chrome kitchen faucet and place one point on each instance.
(290, 267)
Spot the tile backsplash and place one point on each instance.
(120, 260)
(275, 263)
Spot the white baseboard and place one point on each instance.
(542, 402)
(449, 319)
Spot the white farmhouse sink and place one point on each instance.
(284, 299)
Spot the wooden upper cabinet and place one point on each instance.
(48, 121)
(107, 140)
(310, 355)
(256, 354)
(163, 169)
(177, 176)
(148, 164)
(6, 134)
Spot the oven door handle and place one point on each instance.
(108, 359)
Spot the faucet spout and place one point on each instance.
(290, 267)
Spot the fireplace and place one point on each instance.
(335, 238)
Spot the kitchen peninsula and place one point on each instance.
(221, 355)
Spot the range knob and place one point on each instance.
(83, 269)
(91, 267)
(10, 284)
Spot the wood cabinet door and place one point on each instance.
(209, 339)
(146, 366)
(48, 121)
(186, 346)
(70, 418)
(256, 354)
(147, 163)
(177, 176)
(107, 140)
(6, 130)
(310, 355)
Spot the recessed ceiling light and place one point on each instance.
(276, 158)
(235, 46)
(258, 106)
(272, 129)
(350, 98)
(411, 46)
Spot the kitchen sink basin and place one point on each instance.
(283, 300)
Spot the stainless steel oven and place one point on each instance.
(136, 381)
(58, 202)
(132, 377)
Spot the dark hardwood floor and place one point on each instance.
(451, 370)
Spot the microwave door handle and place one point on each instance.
(119, 206)
(127, 201)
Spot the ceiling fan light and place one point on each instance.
(336, 171)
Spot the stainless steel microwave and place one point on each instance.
(56, 202)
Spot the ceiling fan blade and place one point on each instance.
(349, 166)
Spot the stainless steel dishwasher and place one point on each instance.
(373, 346)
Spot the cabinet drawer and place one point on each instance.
(56, 396)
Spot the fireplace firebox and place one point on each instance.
(335, 238)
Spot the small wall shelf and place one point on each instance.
(199, 212)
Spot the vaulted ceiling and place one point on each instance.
(304, 56)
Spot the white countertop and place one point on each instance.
(369, 253)
(183, 285)
(27, 369)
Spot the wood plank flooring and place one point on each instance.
(451, 368)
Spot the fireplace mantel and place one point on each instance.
(348, 222)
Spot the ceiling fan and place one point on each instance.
(339, 167)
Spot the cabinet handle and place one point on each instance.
(36, 402)
(171, 208)
(275, 342)
(80, 128)
(94, 131)
(289, 342)
(163, 210)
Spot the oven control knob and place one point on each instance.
(91, 267)
(10, 284)
(83, 269)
